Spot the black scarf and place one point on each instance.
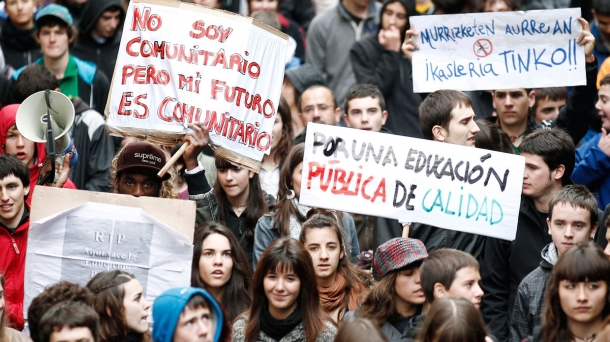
(277, 329)
(133, 337)
(19, 40)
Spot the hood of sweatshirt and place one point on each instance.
(409, 5)
(549, 256)
(93, 9)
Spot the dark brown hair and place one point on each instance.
(359, 329)
(379, 304)
(441, 266)
(64, 291)
(71, 315)
(357, 279)
(286, 141)
(550, 93)
(53, 21)
(257, 204)
(453, 319)
(554, 146)
(578, 196)
(282, 254)
(238, 290)
(109, 295)
(605, 80)
(491, 137)
(360, 91)
(284, 207)
(436, 110)
(583, 262)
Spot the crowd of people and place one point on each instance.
(266, 267)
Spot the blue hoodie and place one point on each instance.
(168, 307)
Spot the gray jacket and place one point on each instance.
(530, 295)
(329, 40)
(296, 335)
(266, 232)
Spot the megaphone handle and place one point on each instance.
(173, 159)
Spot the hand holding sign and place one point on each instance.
(409, 45)
(586, 39)
(197, 140)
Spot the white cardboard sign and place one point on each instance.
(503, 50)
(449, 186)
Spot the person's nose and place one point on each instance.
(4, 194)
(217, 259)
(568, 233)
(20, 141)
(323, 253)
(203, 328)
(474, 129)
(607, 251)
(145, 303)
(582, 293)
(598, 107)
(138, 190)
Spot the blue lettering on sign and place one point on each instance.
(442, 33)
(466, 205)
(532, 27)
(454, 69)
(522, 62)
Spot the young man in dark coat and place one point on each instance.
(100, 34)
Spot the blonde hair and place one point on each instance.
(167, 187)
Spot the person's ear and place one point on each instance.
(337, 114)
(532, 98)
(250, 173)
(493, 99)
(384, 117)
(548, 224)
(26, 190)
(345, 118)
(439, 291)
(594, 230)
(108, 312)
(559, 171)
(439, 133)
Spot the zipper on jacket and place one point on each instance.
(15, 245)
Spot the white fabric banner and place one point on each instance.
(502, 50)
(449, 186)
(181, 63)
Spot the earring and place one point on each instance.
(290, 195)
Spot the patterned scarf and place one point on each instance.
(295, 222)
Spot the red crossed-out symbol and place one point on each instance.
(482, 48)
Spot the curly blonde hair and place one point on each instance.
(167, 187)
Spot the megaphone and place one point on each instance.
(33, 116)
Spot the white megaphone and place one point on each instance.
(32, 122)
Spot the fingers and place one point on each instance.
(584, 23)
(604, 133)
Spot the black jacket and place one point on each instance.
(435, 238)
(104, 55)
(391, 72)
(301, 11)
(502, 270)
(19, 47)
(95, 149)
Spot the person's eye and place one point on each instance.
(593, 286)
(313, 249)
(148, 185)
(205, 318)
(129, 183)
(207, 253)
(324, 107)
(227, 254)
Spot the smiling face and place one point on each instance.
(603, 105)
(583, 302)
(325, 250)
(570, 225)
(282, 288)
(462, 128)
(135, 307)
(215, 262)
(12, 198)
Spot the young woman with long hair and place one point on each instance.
(220, 266)
(285, 304)
(236, 200)
(281, 144)
(397, 300)
(453, 319)
(340, 283)
(7, 334)
(122, 307)
(576, 301)
(289, 214)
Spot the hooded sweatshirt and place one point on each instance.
(170, 304)
(18, 46)
(391, 72)
(530, 296)
(8, 114)
(103, 52)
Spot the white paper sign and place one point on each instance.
(180, 62)
(415, 180)
(76, 244)
(487, 51)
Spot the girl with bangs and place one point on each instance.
(340, 283)
(289, 215)
(576, 301)
(220, 267)
(237, 201)
(285, 304)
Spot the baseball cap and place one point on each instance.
(142, 158)
(57, 11)
(398, 253)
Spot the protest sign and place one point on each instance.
(77, 243)
(445, 185)
(180, 63)
(486, 51)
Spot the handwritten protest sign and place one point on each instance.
(180, 63)
(444, 185)
(80, 242)
(486, 51)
